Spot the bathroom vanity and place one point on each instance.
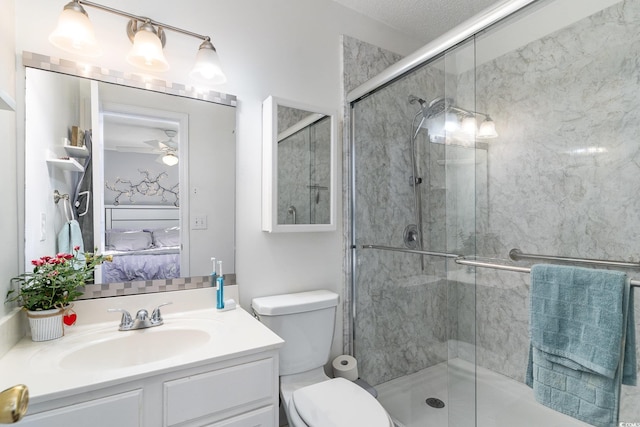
(200, 368)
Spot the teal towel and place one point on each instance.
(69, 237)
(582, 341)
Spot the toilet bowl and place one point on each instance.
(305, 321)
(334, 402)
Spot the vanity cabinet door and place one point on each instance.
(122, 410)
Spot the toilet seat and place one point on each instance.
(338, 403)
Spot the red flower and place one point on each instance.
(37, 262)
(76, 248)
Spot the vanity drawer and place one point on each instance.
(262, 417)
(122, 410)
(219, 392)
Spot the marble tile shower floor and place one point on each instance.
(501, 401)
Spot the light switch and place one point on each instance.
(43, 226)
(199, 222)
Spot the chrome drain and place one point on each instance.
(435, 402)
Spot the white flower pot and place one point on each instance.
(45, 324)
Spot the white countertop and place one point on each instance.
(232, 334)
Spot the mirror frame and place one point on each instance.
(270, 167)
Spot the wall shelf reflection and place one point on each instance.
(79, 152)
(6, 102)
(66, 164)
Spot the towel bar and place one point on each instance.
(514, 254)
(472, 263)
(517, 255)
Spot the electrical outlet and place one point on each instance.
(199, 222)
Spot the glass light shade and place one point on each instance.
(170, 159)
(487, 129)
(146, 52)
(74, 33)
(469, 125)
(207, 66)
(451, 122)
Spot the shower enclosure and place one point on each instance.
(518, 135)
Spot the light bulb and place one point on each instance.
(469, 125)
(451, 123)
(170, 159)
(487, 129)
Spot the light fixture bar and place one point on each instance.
(467, 112)
(143, 19)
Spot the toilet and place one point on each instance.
(305, 321)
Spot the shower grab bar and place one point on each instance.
(517, 255)
(410, 251)
(461, 260)
(472, 263)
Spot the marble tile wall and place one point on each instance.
(360, 62)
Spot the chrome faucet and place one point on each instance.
(142, 320)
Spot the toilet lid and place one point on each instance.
(338, 403)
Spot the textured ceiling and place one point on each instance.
(422, 19)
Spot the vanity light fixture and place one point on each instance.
(487, 129)
(74, 33)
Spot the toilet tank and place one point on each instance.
(305, 321)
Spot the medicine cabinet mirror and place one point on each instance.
(298, 169)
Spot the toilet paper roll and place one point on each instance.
(345, 366)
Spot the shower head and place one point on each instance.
(413, 99)
(437, 106)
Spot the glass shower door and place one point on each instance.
(414, 186)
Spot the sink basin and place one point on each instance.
(130, 348)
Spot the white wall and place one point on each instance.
(286, 48)
(9, 327)
(8, 211)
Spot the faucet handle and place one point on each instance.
(126, 321)
(156, 316)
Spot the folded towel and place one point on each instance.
(582, 338)
(69, 237)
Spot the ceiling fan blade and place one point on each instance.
(146, 150)
(155, 144)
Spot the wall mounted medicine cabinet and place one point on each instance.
(298, 167)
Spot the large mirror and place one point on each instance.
(146, 176)
(298, 167)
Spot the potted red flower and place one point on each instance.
(47, 292)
